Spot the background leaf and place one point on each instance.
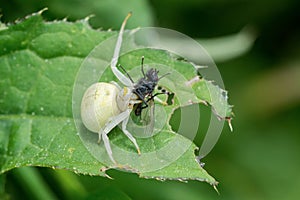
(106, 13)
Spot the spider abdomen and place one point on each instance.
(98, 105)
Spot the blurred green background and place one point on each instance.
(260, 159)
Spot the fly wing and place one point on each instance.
(148, 118)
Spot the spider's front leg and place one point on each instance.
(113, 122)
(121, 77)
(158, 100)
(169, 100)
(128, 134)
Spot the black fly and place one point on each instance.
(145, 86)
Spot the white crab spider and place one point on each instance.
(105, 105)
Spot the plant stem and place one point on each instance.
(70, 185)
(33, 182)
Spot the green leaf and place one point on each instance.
(36, 78)
(39, 62)
(105, 13)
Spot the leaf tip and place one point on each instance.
(37, 13)
(215, 187)
(41, 11)
(229, 123)
(103, 170)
